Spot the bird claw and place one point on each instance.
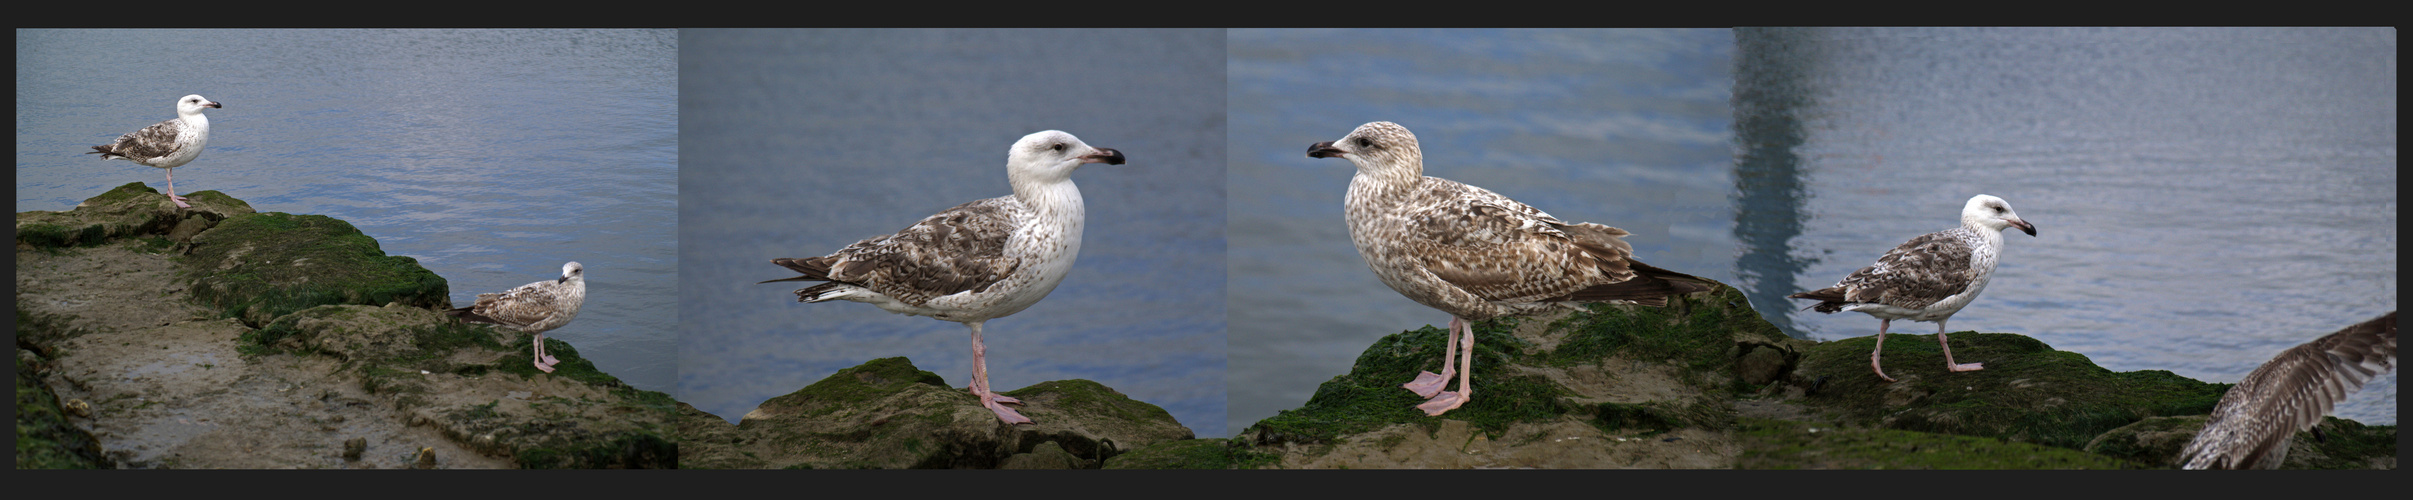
(546, 368)
(1966, 367)
(995, 405)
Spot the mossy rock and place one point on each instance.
(257, 267)
(1782, 444)
(2027, 392)
(129, 210)
(888, 414)
(1194, 454)
(1702, 334)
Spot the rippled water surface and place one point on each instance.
(491, 156)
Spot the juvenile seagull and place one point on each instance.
(1927, 278)
(167, 144)
(2254, 423)
(533, 308)
(1475, 254)
(978, 261)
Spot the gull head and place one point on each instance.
(1987, 211)
(192, 105)
(1377, 147)
(1053, 155)
(572, 271)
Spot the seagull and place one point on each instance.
(2253, 424)
(533, 308)
(1475, 254)
(981, 260)
(167, 144)
(1927, 278)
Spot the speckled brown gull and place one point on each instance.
(533, 308)
(1475, 254)
(2255, 422)
(167, 144)
(1927, 278)
(978, 261)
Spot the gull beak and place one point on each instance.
(212, 104)
(2024, 226)
(1324, 150)
(1104, 155)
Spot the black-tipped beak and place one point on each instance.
(2024, 226)
(564, 279)
(1104, 155)
(213, 105)
(1323, 150)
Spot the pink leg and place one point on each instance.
(548, 359)
(539, 355)
(1447, 401)
(980, 383)
(172, 190)
(1948, 364)
(1428, 383)
(1873, 356)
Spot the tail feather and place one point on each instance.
(1830, 299)
(812, 269)
(466, 315)
(1651, 287)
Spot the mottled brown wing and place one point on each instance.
(1922, 271)
(518, 307)
(957, 250)
(1505, 251)
(153, 141)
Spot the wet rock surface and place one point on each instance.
(888, 414)
(188, 349)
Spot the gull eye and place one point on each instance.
(1364, 142)
(1058, 147)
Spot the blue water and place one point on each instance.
(795, 143)
(491, 156)
(1628, 128)
(2203, 198)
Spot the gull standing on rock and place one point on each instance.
(167, 144)
(2255, 422)
(978, 261)
(1475, 254)
(534, 308)
(1927, 278)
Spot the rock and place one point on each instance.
(2028, 391)
(1047, 455)
(127, 211)
(79, 408)
(888, 414)
(288, 305)
(1568, 391)
(266, 265)
(1762, 364)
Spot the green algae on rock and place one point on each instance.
(45, 439)
(888, 414)
(129, 210)
(257, 267)
(1782, 444)
(1593, 384)
(338, 360)
(2028, 391)
(475, 384)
